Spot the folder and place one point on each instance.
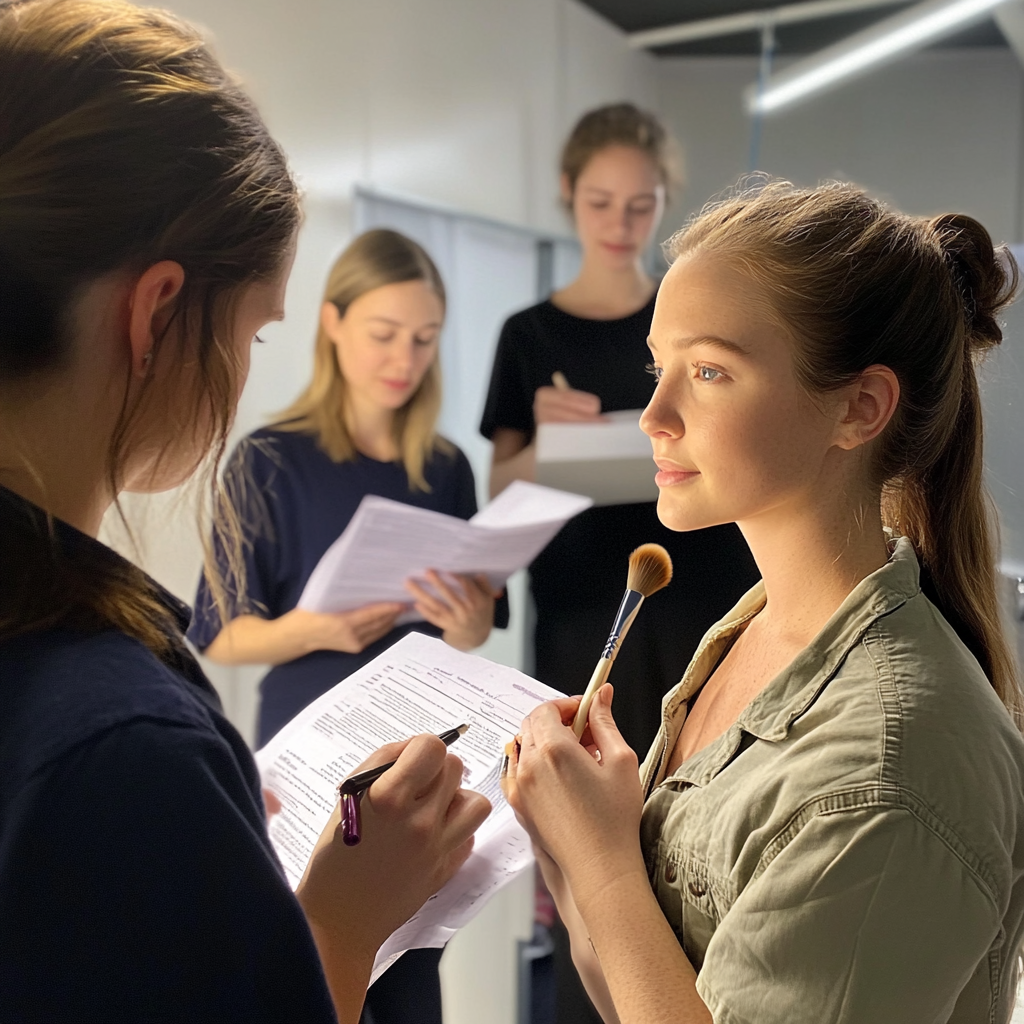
(609, 462)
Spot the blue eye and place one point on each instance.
(708, 373)
(654, 371)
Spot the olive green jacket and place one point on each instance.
(852, 849)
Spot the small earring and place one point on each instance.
(147, 359)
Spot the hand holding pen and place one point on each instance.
(417, 826)
(351, 791)
(560, 403)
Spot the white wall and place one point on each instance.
(940, 130)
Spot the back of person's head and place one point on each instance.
(123, 143)
(376, 258)
(856, 284)
(621, 124)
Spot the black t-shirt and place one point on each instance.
(137, 882)
(579, 579)
(587, 561)
(294, 502)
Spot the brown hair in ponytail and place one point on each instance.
(123, 142)
(857, 284)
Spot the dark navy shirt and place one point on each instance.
(295, 501)
(137, 882)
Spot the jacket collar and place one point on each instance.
(770, 714)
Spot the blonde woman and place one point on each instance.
(829, 826)
(365, 425)
(142, 246)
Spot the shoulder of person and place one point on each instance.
(912, 706)
(72, 687)
(448, 460)
(527, 322)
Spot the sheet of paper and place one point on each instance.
(418, 685)
(387, 542)
(609, 462)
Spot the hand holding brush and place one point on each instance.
(650, 570)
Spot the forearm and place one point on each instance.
(521, 466)
(583, 954)
(648, 975)
(250, 640)
(347, 974)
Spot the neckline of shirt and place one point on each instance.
(549, 302)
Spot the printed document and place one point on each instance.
(420, 684)
(609, 461)
(386, 542)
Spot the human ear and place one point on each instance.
(151, 306)
(869, 404)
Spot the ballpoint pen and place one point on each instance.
(351, 790)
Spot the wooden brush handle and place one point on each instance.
(597, 680)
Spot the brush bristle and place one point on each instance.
(650, 569)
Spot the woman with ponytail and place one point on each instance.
(147, 228)
(829, 826)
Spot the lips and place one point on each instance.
(670, 475)
(397, 385)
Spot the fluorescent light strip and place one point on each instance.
(912, 28)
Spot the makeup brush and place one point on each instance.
(650, 569)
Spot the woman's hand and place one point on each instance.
(561, 405)
(351, 632)
(580, 802)
(464, 609)
(417, 830)
(251, 640)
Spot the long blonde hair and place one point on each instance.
(376, 258)
(857, 284)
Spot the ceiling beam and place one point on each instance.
(750, 21)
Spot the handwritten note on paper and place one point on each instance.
(386, 542)
(418, 685)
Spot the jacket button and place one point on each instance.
(696, 890)
(670, 872)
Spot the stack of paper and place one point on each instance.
(609, 461)
(418, 685)
(387, 542)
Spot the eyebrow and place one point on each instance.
(398, 323)
(607, 192)
(707, 339)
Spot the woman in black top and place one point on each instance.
(615, 170)
(147, 227)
